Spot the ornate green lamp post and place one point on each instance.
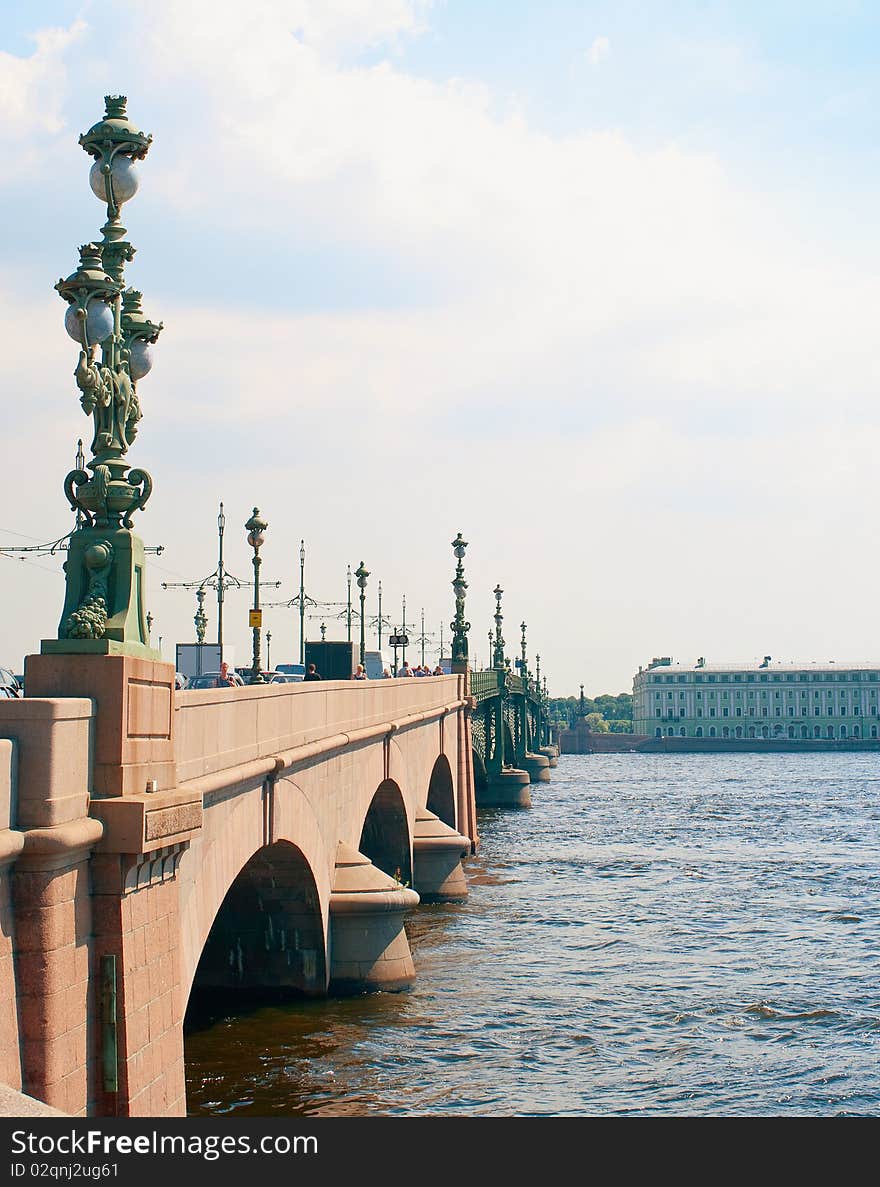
(201, 618)
(489, 653)
(459, 626)
(302, 602)
(348, 604)
(149, 624)
(269, 650)
(103, 608)
(362, 574)
(498, 656)
(523, 670)
(323, 631)
(256, 529)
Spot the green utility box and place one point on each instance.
(334, 661)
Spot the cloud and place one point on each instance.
(33, 89)
(603, 347)
(598, 51)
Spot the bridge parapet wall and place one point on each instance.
(218, 729)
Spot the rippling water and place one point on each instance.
(660, 934)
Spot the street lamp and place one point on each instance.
(200, 618)
(105, 564)
(323, 631)
(149, 624)
(302, 601)
(498, 657)
(362, 574)
(379, 622)
(256, 529)
(460, 628)
(403, 634)
(523, 670)
(269, 650)
(348, 610)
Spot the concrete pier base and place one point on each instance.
(537, 766)
(437, 853)
(369, 950)
(509, 789)
(551, 753)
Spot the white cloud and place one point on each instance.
(33, 89)
(598, 51)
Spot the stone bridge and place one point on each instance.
(155, 844)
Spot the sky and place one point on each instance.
(594, 284)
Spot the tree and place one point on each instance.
(596, 723)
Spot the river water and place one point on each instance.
(660, 934)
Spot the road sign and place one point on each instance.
(255, 619)
(398, 640)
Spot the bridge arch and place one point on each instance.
(441, 792)
(385, 834)
(268, 934)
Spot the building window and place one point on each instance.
(857, 733)
(739, 711)
(791, 731)
(711, 731)
(658, 732)
(711, 710)
(778, 711)
(873, 731)
(699, 712)
(725, 733)
(682, 732)
(817, 730)
(843, 731)
(698, 732)
(830, 731)
(764, 711)
(726, 711)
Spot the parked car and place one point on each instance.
(9, 681)
(284, 678)
(293, 671)
(216, 680)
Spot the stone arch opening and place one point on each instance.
(441, 792)
(267, 938)
(385, 834)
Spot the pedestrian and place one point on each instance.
(406, 670)
(312, 673)
(438, 671)
(386, 675)
(360, 674)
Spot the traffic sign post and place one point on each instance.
(397, 640)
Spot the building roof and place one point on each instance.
(757, 665)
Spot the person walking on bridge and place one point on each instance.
(312, 673)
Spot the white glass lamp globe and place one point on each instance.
(140, 359)
(98, 323)
(124, 175)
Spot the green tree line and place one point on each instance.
(606, 713)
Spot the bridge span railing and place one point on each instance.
(218, 729)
